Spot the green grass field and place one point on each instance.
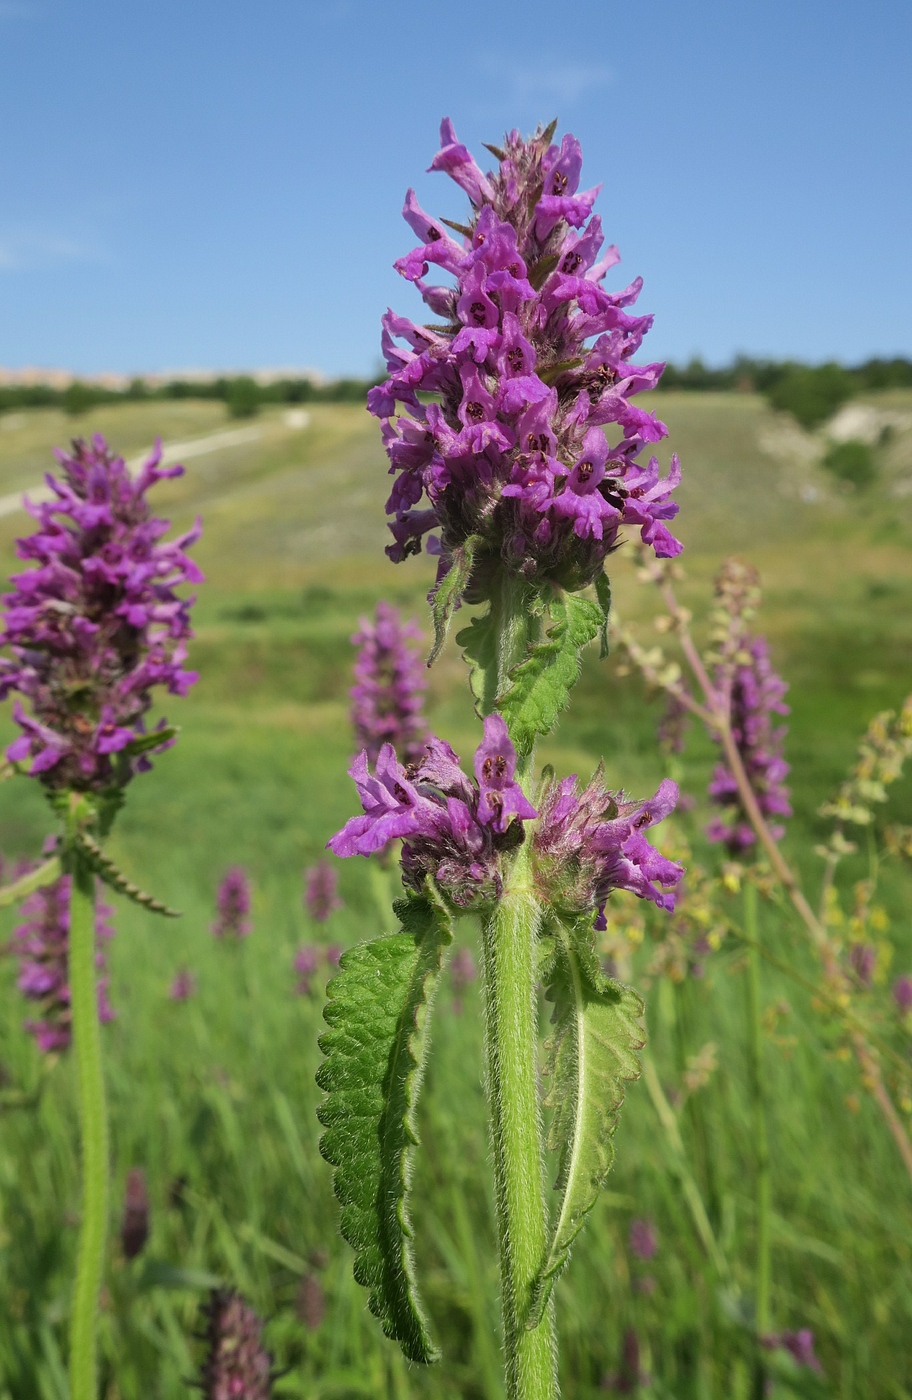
(215, 1098)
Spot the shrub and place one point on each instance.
(243, 398)
(852, 461)
(812, 395)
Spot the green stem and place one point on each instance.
(761, 1137)
(94, 1133)
(511, 1044)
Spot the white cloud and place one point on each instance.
(562, 82)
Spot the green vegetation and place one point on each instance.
(852, 462)
(215, 1097)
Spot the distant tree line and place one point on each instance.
(242, 394)
(812, 393)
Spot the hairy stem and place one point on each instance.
(93, 1124)
(763, 1180)
(511, 1044)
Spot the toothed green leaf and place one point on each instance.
(542, 683)
(449, 590)
(103, 866)
(593, 1055)
(375, 1054)
(479, 647)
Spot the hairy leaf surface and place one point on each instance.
(447, 593)
(479, 647)
(542, 683)
(593, 1055)
(375, 1053)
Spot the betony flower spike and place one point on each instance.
(494, 415)
(389, 687)
(96, 623)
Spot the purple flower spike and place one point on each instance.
(134, 1227)
(902, 994)
(389, 685)
(494, 416)
(96, 623)
(183, 988)
(643, 1240)
(757, 693)
(591, 842)
(452, 829)
(237, 1364)
(233, 905)
(863, 960)
(307, 960)
(42, 942)
(321, 891)
(799, 1344)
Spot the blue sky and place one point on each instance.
(218, 182)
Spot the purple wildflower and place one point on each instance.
(42, 943)
(799, 1344)
(184, 985)
(321, 896)
(862, 960)
(673, 725)
(463, 971)
(902, 994)
(643, 1240)
(237, 1364)
(630, 1375)
(389, 681)
(511, 448)
(96, 624)
(307, 960)
(591, 842)
(452, 829)
(334, 954)
(756, 694)
(233, 905)
(134, 1228)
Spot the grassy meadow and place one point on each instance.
(215, 1097)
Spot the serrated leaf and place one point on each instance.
(103, 866)
(375, 1054)
(479, 647)
(593, 1055)
(603, 593)
(447, 593)
(542, 683)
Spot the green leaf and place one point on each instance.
(479, 647)
(449, 590)
(103, 866)
(540, 271)
(375, 1055)
(157, 1273)
(549, 373)
(593, 1055)
(144, 742)
(542, 683)
(603, 593)
(32, 880)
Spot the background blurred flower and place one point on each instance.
(184, 985)
(233, 905)
(237, 1365)
(389, 683)
(41, 942)
(134, 1228)
(321, 886)
(643, 1240)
